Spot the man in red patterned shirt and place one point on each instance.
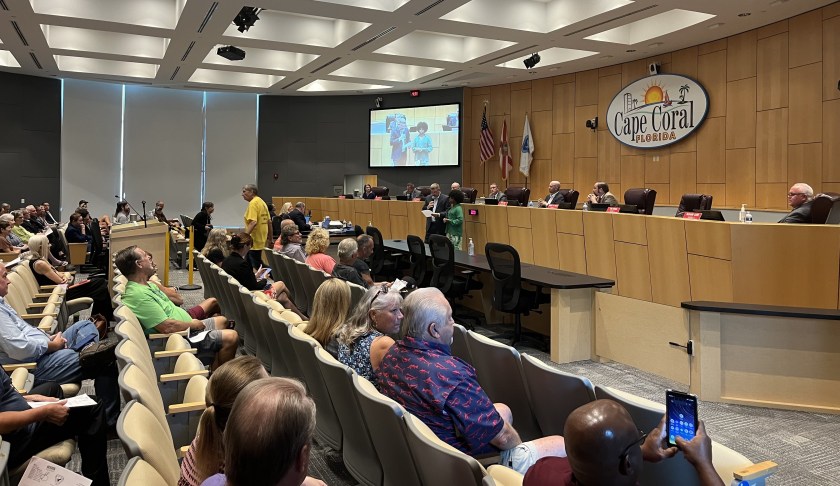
(420, 373)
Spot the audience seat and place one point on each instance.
(519, 194)
(281, 331)
(694, 202)
(141, 433)
(570, 196)
(138, 472)
(59, 453)
(556, 394)
(470, 193)
(643, 198)
(460, 344)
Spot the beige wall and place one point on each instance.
(774, 119)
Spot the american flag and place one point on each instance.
(505, 160)
(486, 141)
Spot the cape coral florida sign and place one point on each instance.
(657, 111)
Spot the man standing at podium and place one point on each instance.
(257, 224)
(436, 202)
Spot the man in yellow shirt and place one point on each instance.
(257, 223)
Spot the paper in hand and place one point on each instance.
(41, 472)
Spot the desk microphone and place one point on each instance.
(145, 225)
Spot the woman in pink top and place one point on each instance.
(316, 245)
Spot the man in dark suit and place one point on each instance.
(800, 198)
(298, 215)
(436, 202)
(554, 196)
(411, 192)
(495, 193)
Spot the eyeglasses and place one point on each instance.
(382, 290)
(635, 443)
(791, 194)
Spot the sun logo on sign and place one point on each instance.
(654, 94)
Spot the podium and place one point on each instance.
(151, 238)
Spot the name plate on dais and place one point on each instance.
(657, 111)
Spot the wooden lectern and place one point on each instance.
(151, 239)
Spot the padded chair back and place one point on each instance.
(470, 193)
(822, 206)
(643, 198)
(570, 196)
(559, 393)
(140, 433)
(305, 292)
(294, 282)
(356, 294)
(377, 259)
(387, 430)
(419, 260)
(136, 385)
(694, 202)
(327, 425)
(443, 262)
(380, 191)
(283, 362)
(460, 344)
(358, 452)
(425, 191)
(507, 275)
(258, 335)
(499, 371)
(138, 472)
(520, 194)
(437, 462)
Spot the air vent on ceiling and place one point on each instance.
(207, 17)
(35, 60)
(325, 65)
(430, 7)
(377, 36)
(187, 52)
(175, 73)
(441, 77)
(509, 54)
(611, 20)
(293, 82)
(20, 33)
(3, 5)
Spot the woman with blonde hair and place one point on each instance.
(45, 274)
(316, 245)
(329, 311)
(205, 456)
(216, 249)
(363, 340)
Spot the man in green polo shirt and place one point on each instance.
(157, 313)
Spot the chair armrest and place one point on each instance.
(187, 407)
(12, 367)
(182, 452)
(756, 471)
(184, 333)
(78, 305)
(47, 287)
(37, 305)
(26, 317)
(186, 375)
(46, 324)
(174, 352)
(44, 295)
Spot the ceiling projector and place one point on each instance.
(231, 53)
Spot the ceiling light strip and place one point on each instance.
(293, 82)
(441, 77)
(35, 60)
(187, 52)
(628, 14)
(171, 78)
(325, 65)
(20, 33)
(524, 49)
(207, 17)
(377, 36)
(429, 7)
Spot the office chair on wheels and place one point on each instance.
(454, 287)
(382, 263)
(419, 261)
(508, 294)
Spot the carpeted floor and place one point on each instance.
(805, 445)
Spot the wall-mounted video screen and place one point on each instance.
(420, 136)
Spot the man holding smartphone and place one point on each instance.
(604, 446)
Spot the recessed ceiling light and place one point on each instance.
(553, 69)
(465, 84)
(607, 56)
(655, 45)
(744, 14)
(777, 2)
(715, 26)
(630, 50)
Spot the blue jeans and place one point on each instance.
(62, 366)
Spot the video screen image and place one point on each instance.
(415, 137)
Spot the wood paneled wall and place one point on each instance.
(774, 119)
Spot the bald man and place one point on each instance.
(554, 196)
(605, 447)
(800, 197)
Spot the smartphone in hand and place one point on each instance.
(681, 409)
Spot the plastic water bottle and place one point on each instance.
(748, 217)
(743, 214)
(327, 222)
(471, 248)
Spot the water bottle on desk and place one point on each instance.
(742, 216)
(471, 248)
